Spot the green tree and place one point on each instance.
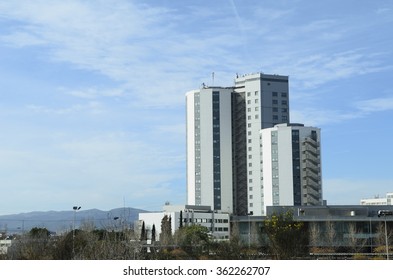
(193, 239)
(35, 245)
(166, 231)
(39, 232)
(288, 239)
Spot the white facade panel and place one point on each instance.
(190, 126)
(266, 171)
(285, 166)
(206, 109)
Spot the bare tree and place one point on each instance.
(331, 235)
(314, 234)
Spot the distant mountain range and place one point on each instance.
(61, 221)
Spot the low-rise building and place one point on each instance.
(343, 227)
(388, 200)
(4, 245)
(216, 222)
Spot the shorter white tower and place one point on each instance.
(290, 167)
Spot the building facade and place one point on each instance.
(223, 125)
(290, 168)
(260, 101)
(217, 223)
(209, 148)
(354, 229)
(388, 200)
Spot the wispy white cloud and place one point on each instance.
(91, 107)
(318, 69)
(359, 109)
(100, 170)
(320, 117)
(94, 93)
(137, 44)
(375, 105)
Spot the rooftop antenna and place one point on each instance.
(212, 78)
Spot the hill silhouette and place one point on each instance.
(61, 221)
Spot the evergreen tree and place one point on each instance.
(143, 232)
(166, 230)
(153, 233)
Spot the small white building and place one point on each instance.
(216, 222)
(388, 200)
(4, 245)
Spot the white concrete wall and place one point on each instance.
(190, 147)
(200, 218)
(267, 169)
(285, 165)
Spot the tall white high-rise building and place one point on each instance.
(290, 165)
(209, 148)
(261, 101)
(224, 146)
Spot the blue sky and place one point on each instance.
(92, 107)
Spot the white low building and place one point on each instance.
(4, 245)
(216, 222)
(388, 200)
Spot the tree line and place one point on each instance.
(279, 236)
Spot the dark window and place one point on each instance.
(216, 151)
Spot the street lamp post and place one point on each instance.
(75, 208)
(385, 213)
